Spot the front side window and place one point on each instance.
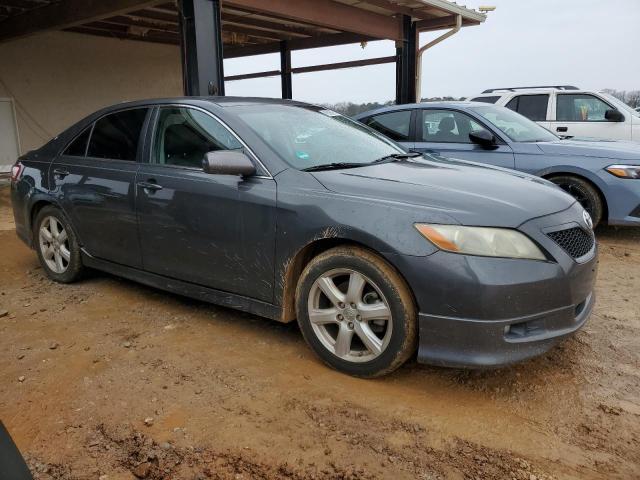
(184, 135)
(534, 107)
(447, 126)
(395, 125)
(116, 136)
(515, 126)
(580, 107)
(309, 136)
(78, 147)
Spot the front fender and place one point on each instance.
(574, 170)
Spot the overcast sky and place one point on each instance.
(593, 44)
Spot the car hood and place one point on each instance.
(618, 150)
(468, 193)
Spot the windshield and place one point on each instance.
(514, 125)
(620, 105)
(307, 136)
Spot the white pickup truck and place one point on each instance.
(569, 111)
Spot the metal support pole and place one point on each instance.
(201, 47)
(285, 70)
(406, 60)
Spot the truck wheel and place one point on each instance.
(57, 246)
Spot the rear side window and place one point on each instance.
(78, 147)
(116, 136)
(534, 107)
(394, 125)
(493, 99)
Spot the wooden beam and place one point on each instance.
(395, 8)
(328, 14)
(293, 30)
(315, 68)
(297, 44)
(164, 39)
(442, 22)
(66, 14)
(338, 65)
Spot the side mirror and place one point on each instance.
(484, 138)
(614, 115)
(228, 162)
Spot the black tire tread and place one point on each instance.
(393, 279)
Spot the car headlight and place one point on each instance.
(483, 241)
(624, 171)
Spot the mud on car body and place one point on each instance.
(294, 212)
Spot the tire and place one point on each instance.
(583, 192)
(58, 251)
(342, 335)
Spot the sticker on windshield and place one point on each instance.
(302, 155)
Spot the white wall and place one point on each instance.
(56, 78)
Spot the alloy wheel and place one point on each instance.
(54, 244)
(350, 315)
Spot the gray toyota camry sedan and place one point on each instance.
(294, 212)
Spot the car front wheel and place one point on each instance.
(584, 193)
(356, 312)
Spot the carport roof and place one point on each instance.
(248, 26)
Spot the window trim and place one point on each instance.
(156, 113)
(519, 95)
(410, 133)
(92, 125)
(86, 147)
(586, 94)
(419, 119)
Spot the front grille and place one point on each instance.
(575, 241)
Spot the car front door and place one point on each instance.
(94, 182)
(447, 132)
(583, 115)
(212, 230)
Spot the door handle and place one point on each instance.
(151, 186)
(60, 172)
(562, 129)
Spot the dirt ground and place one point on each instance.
(108, 379)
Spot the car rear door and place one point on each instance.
(212, 230)
(583, 115)
(447, 132)
(94, 182)
(535, 107)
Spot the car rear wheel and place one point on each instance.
(584, 193)
(57, 246)
(356, 312)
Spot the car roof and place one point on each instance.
(500, 93)
(216, 100)
(461, 104)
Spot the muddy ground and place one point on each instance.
(227, 395)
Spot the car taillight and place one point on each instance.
(16, 171)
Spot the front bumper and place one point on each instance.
(487, 312)
(462, 342)
(623, 200)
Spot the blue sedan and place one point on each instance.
(603, 176)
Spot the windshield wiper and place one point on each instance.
(333, 166)
(394, 157)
